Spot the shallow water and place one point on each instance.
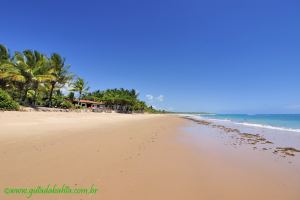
(289, 122)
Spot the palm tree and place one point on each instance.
(60, 74)
(4, 54)
(9, 72)
(81, 87)
(36, 69)
(4, 59)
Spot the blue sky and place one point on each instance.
(220, 56)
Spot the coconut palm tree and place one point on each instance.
(81, 87)
(4, 53)
(9, 72)
(4, 59)
(36, 69)
(60, 74)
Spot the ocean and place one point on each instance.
(289, 122)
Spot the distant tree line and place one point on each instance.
(31, 78)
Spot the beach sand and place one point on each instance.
(136, 157)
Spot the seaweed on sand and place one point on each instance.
(286, 151)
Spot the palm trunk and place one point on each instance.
(26, 88)
(79, 98)
(35, 94)
(51, 94)
(25, 95)
(21, 88)
(2, 84)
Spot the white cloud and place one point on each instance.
(149, 97)
(154, 107)
(66, 88)
(160, 98)
(152, 98)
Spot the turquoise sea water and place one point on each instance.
(288, 121)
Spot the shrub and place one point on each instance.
(57, 101)
(66, 104)
(6, 102)
(78, 106)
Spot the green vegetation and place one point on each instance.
(116, 99)
(66, 104)
(6, 102)
(35, 79)
(81, 87)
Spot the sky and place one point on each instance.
(217, 56)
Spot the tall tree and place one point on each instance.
(9, 72)
(4, 59)
(4, 53)
(36, 69)
(81, 87)
(60, 74)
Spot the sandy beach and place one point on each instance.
(136, 157)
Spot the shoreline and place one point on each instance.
(141, 156)
(286, 142)
(250, 124)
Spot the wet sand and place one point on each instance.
(137, 157)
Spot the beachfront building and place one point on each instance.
(101, 106)
(89, 104)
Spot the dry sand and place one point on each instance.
(135, 157)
